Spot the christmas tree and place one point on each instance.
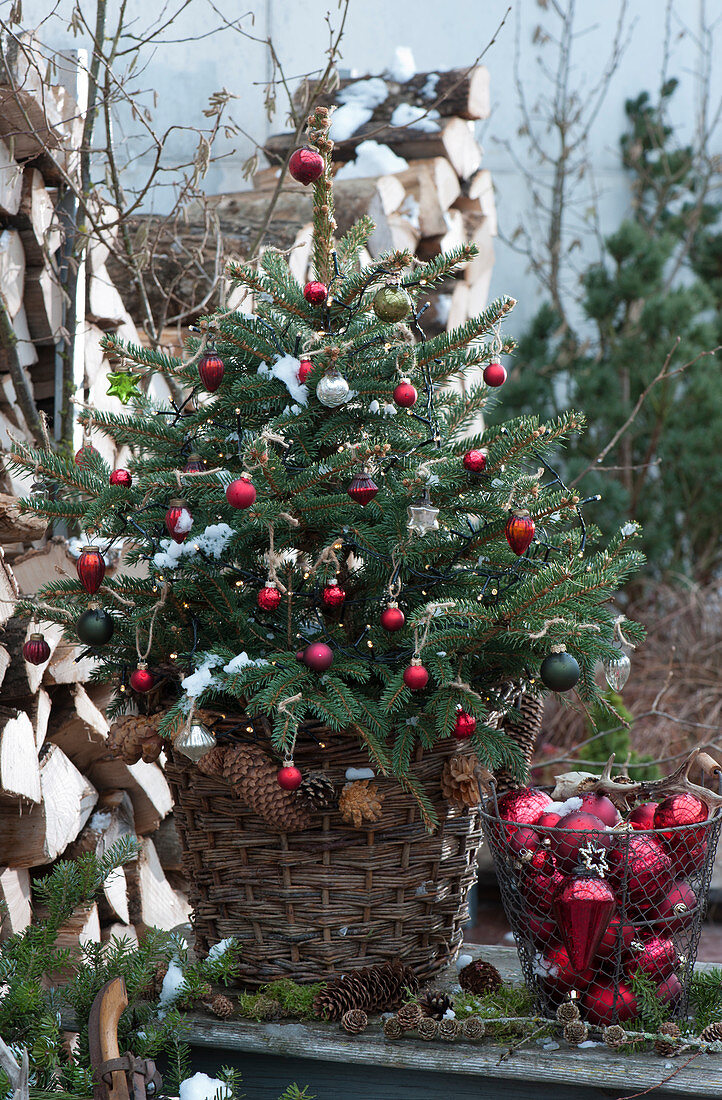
(346, 543)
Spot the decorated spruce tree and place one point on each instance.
(330, 530)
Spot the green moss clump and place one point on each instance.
(282, 998)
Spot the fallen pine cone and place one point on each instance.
(664, 1050)
(427, 1028)
(409, 1015)
(392, 1028)
(449, 1030)
(614, 1036)
(576, 1032)
(221, 1006)
(473, 1028)
(480, 977)
(354, 1021)
(568, 1012)
(435, 1004)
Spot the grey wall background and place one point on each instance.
(441, 33)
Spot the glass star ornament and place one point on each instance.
(617, 670)
(123, 385)
(423, 517)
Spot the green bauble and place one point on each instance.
(391, 303)
(95, 626)
(559, 671)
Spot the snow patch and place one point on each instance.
(172, 984)
(369, 93)
(100, 821)
(285, 368)
(359, 773)
(348, 119)
(429, 89)
(374, 407)
(242, 660)
(184, 522)
(415, 118)
(411, 209)
(403, 66)
(449, 1014)
(630, 528)
(212, 541)
(463, 960)
(219, 949)
(203, 676)
(564, 808)
(202, 1087)
(390, 410)
(372, 159)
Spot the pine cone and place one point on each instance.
(525, 732)
(473, 1028)
(159, 977)
(568, 1012)
(435, 1003)
(213, 761)
(427, 1028)
(449, 1030)
(318, 791)
(392, 1028)
(150, 748)
(712, 1033)
(254, 776)
(480, 977)
(614, 1036)
(373, 988)
(459, 783)
(664, 1050)
(576, 1032)
(360, 801)
(127, 734)
(221, 1006)
(409, 1015)
(354, 1021)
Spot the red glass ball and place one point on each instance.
(681, 809)
(91, 569)
(86, 452)
(494, 375)
(121, 477)
(474, 461)
(600, 806)
(616, 931)
(642, 817)
(333, 595)
(142, 680)
(676, 909)
(416, 677)
(604, 1003)
(268, 598)
(36, 650)
(304, 369)
(211, 369)
(241, 493)
(686, 861)
(542, 932)
(646, 866)
(539, 890)
(318, 656)
(519, 531)
(315, 293)
(392, 618)
(178, 521)
(656, 956)
(580, 829)
(405, 395)
(464, 725)
(306, 165)
(523, 805)
(289, 777)
(558, 974)
(525, 841)
(548, 820)
(670, 989)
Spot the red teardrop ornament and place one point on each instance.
(305, 165)
(305, 367)
(363, 489)
(178, 520)
(519, 531)
(91, 569)
(211, 369)
(583, 909)
(36, 650)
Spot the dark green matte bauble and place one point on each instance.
(95, 626)
(391, 303)
(559, 671)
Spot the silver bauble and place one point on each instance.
(332, 390)
(194, 741)
(617, 670)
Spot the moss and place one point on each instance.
(282, 998)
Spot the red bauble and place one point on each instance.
(648, 872)
(600, 806)
(141, 680)
(416, 677)
(306, 165)
(475, 461)
(583, 909)
(581, 829)
(606, 1004)
(178, 520)
(681, 809)
(642, 817)
(121, 477)
(333, 595)
(542, 932)
(558, 974)
(464, 725)
(36, 650)
(91, 569)
(241, 493)
(315, 293)
(548, 820)
(305, 367)
(525, 842)
(656, 957)
(617, 932)
(86, 452)
(523, 805)
(494, 375)
(318, 656)
(676, 908)
(405, 395)
(211, 369)
(686, 861)
(392, 618)
(670, 989)
(268, 598)
(289, 777)
(519, 531)
(540, 889)
(363, 488)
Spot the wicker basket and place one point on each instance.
(307, 904)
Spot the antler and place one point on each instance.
(622, 786)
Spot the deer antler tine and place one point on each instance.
(607, 770)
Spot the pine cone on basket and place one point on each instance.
(435, 1003)
(428, 1028)
(409, 1015)
(360, 801)
(473, 1027)
(663, 1049)
(318, 790)
(460, 780)
(712, 1033)
(480, 977)
(150, 748)
(127, 734)
(213, 762)
(576, 1032)
(354, 1021)
(373, 988)
(253, 775)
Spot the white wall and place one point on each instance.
(441, 33)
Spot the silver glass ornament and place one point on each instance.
(194, 741)
(423, 517)
(617, 670)
(332, 390)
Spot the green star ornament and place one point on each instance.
(123, 385)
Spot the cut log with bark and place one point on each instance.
(16, 911)
(153, 901)
(9, 589)
(111, 820)
(19, 768)
(49, 562)
(39, 714)
(25, 349)
(11, 182)
(12, 270)
(43, 304)
(16, 525)
(462, 92)
(36, 219)
(105, 305)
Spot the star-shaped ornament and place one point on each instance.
(594, 859)
(123, 385)
(423, 517)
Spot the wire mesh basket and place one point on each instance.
(646, 889)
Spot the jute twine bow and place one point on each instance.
(286, 707)
(552, 622)
(274, 559)
(431, 612)
(618, 631)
